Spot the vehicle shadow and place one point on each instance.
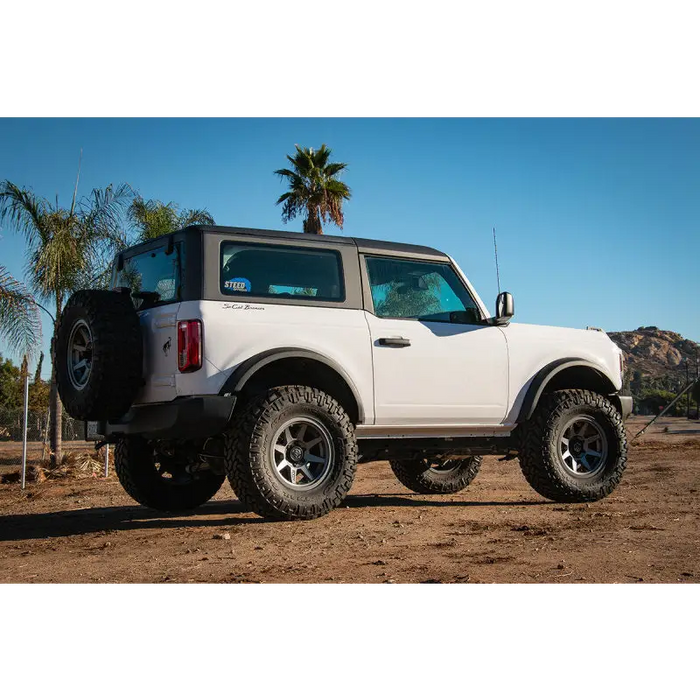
(121, 518)
(84, 521)
(395, 499)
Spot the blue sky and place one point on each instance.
(598, 220)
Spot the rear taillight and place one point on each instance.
(189, 345)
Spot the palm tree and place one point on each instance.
(63, 246)
(314, 189)
(20, 324)
(152, 218)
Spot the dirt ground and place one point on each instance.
(498, 530)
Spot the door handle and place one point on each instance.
(394, 342)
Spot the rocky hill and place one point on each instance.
(655, 359)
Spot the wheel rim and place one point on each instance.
(79, 355)
(583, 447)
(302, 453)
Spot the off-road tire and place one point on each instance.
(135, 464)
(117, 355)
(419, 476)
(250, 470)
(539, 456)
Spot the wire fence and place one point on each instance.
(11, 423)
(38, 436)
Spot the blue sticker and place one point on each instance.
(237, 284)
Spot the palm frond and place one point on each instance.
(296, 160)
(284, 197)
(321, 157)
(303, 161)
(153, 218)
(338, 189)
(101, 213)
(292, 208)
(332, 169)
(25, 211)
(54, 266)
(285, 172)
(191, 217)
(20, 324)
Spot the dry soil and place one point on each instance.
(498, 530)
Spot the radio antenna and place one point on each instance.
(495, 252)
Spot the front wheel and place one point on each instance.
(436, 475)
(574, 448)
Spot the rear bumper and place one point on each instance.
(627, 403)
(186, 418)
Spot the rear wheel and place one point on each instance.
(291, 454)
(431, 475)
(163, 481)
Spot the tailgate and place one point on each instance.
(159, 332)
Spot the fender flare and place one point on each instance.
(248, 368)
(547, 373)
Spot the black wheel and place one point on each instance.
(162, 481)
(292, 453)
(99, 355)
(574, 448)
(436, 475)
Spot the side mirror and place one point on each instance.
(505, 308)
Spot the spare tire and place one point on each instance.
(99, 355)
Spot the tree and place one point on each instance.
(39, 396)
(39, 390)
(64, 247)
(314, 189)
(39, 364)
(20, 325)
(10, 385)
(151, 218)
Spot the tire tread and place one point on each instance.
(536, 463)
(245, 458)
(116, 374)
(415, 476)
(135, 468)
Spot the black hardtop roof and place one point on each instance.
(362, 244)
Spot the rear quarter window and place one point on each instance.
(153, 277)
(259, 270)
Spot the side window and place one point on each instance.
(153, 277)
(423, 291)
(281, 271)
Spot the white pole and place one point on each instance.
(106, 460)
(24, 431)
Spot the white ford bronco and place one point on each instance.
(282, 360)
